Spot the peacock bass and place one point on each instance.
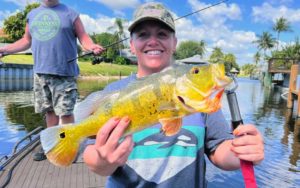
(164, 97)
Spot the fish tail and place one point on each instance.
(60, 144)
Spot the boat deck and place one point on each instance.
(41, 174)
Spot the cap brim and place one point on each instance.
(136, 22)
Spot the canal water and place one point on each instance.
(260, 106)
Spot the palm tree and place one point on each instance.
(217, 56)
(256, 57)
(119, 32)
(265, 41)
(281, 25)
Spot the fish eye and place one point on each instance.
(62, 135)
(195, 71)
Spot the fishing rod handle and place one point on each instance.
(246, 166)
(234, 108)
(248, 174)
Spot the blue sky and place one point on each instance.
(232, 25)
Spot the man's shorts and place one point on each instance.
(55, 93)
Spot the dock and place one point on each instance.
(294, 92)
(24, 172)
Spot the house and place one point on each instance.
(3, 34)
(196, 59)
(126, 53)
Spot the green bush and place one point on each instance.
(121, 61)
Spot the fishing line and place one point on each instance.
(189, 14)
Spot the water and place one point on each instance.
(263, 107)
(281, 131)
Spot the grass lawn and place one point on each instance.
(86, 68)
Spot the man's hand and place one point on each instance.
(97, 49)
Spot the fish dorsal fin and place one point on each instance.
(90, 104)
(171, 126)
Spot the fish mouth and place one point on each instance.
(186, 106)
(210, 104)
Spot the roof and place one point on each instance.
(2, 34)
(196, 59)
(127, 54)
(234, 70)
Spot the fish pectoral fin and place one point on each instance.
(172, 126)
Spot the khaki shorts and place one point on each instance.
(55, 93)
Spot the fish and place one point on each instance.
(164, 97)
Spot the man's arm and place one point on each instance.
(85, 40)
(20, 45)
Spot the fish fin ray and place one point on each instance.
(90, 104)
(171, 126)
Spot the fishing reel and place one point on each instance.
(97, 60)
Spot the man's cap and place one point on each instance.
(152, 11)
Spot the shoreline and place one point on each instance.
(100, 77)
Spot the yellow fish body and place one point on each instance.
(163, 97)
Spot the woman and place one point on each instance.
(176, 163)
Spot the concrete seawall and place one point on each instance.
(16, 77)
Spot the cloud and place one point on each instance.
(5, 14)
(268, 12)
(118, 4)
(216, 16)
(22, 3)
(279, 2)
(96, 25)
(212, 27)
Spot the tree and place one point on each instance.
(256, 57)
(230, 62)
(106, 39)
(248, 69)
(190, 48)
(119, 32)
(216, 56)
(281, 25)
(14, 26)
(265, 41)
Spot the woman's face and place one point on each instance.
(153, 44)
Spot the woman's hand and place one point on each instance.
(248, 144)
(108, 153)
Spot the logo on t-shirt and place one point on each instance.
(45, 25)
(157, 158)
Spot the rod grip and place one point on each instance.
(248, 174)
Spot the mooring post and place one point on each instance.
(292, 86)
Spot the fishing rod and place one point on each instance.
(90, 53)
(236, 120)
(189, 14)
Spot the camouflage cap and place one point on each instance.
(152, 11)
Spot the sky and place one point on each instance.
(232, 26)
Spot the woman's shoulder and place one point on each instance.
(120, 84)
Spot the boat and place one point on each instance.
(20, 170)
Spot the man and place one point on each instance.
(51, 31)
(174, 162)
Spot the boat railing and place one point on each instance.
(32, 136)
